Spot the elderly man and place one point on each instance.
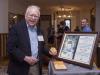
(25, 45)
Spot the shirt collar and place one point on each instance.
(31, 27)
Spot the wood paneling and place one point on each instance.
(3, 41)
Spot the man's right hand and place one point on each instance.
(30, 60)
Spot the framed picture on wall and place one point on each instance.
(78, 48)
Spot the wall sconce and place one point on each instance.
(14, 17)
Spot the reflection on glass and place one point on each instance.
(84, 49)
(78, 47)
(69, 46)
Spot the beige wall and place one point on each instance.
(16, 6)
(3, 16)
(97, 27)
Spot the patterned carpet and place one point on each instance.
(3, 70)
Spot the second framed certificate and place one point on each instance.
(78, 48)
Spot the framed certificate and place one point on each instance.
(78, 48)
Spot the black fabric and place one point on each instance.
(18, 46)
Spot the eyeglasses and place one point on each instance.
(36, 17)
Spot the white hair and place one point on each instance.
(37, 8)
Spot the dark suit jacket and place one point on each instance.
(18, 46)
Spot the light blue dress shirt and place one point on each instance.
(86, 29)
(33, 40)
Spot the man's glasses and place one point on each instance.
(36, 17)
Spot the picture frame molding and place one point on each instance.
(71, 58)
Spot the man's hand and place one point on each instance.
(30, 60)
(53, 51)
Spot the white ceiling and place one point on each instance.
(54, 5)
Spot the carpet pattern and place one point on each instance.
(3, 70)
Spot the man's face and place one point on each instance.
(83, 22)
(32, 17)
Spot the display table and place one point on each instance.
(72, 70)
(98, 56)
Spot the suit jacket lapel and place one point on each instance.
(26, 35)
